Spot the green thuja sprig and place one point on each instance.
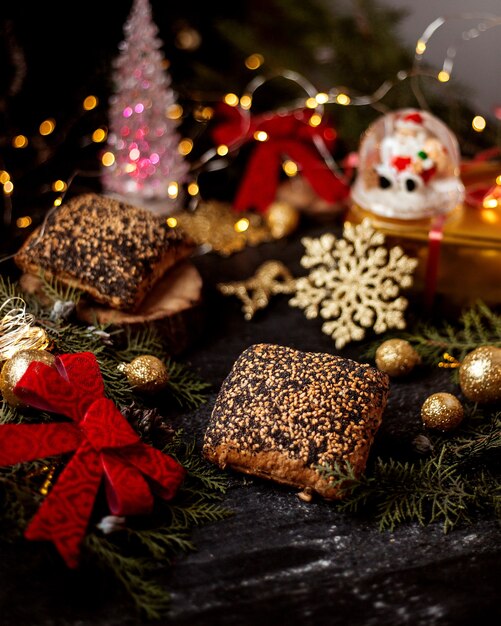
(477, 326)
(8, 290)
(146, 551)
(136, 574)
(145, 340)
(425, 491)
(55, 289)
(186, 388)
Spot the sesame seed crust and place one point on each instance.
(111, 250)
(281, 413)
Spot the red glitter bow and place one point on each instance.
(287, 136)
(106, 446)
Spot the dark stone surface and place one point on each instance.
(278, 560)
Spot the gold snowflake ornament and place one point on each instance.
(354, 283)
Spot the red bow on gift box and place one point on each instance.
(285, 136)
(106, 446)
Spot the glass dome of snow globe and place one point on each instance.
(408, 167)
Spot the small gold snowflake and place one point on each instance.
(354, 283)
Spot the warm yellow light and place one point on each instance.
(315, 120)
(174, 112)
(242, 225)
(108, 159)
(23, 222)
(254, 61)
(498, 180)
(4, 177)
(290, 168)
(47, 127)
(20, 141)
(478, 123)
(173, 190)
(490, 203)
(231, 99)
(99, 135)
(203, 114)
(90, 103)
(222, 150)
(311, 103)
(420, 47)
(322, 98)
(171, 222)
(343, 99)
(193, 189)
(130, 167)
(59, 185)
(443, 76)
(260, 135)
(58, 201)
(185, 146)
(246, 101)
(490, 216)
(8, 188)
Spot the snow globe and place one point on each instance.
(408, 167)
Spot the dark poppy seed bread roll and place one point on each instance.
(281, 414)
(113, 251)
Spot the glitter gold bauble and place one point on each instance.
(442, 411)
(480, 375)
(14, 368)
(282, 219)
(146, 373)
(396, 357)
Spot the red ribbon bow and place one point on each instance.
(105, 443)
(287, 136)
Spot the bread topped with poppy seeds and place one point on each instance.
(113, 251)
(282, 414)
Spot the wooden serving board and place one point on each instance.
(174, 306)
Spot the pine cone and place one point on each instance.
(151, 426)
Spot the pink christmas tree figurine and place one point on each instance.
(147, 168)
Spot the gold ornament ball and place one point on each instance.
(14, 368)
(442, 411)
(282, 219)
(396, 357)
(480, 375)
(146, 373)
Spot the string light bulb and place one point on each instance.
(47, 127)
(99, 135)
(478, 123)
(254, 61)
(89, 103)
(231, 99)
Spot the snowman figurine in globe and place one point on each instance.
(408, 167)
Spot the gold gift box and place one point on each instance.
(469, 262)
